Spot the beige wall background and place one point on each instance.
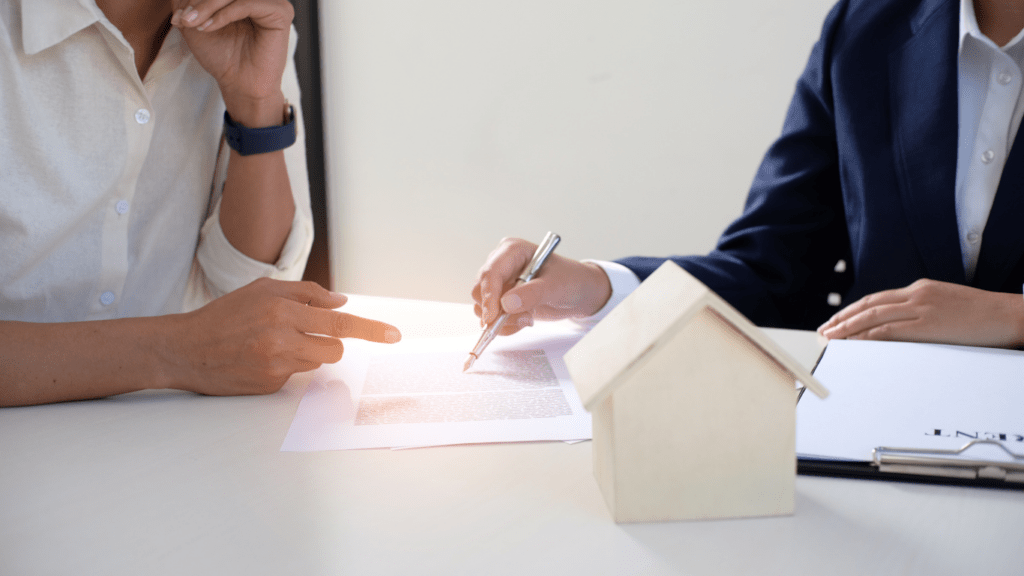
(626, 127)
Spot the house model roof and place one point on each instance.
(649, 318)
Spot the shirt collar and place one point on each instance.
(46, 23)
(968, 23)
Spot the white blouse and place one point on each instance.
(110, 185)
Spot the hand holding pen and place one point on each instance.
(563, 288)
(540, 256)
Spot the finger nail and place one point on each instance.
(511, 302)
(525, 321)
(205, 25)
(392, 335)
(191, 14)
(176, 17)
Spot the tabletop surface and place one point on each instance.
(174, 483)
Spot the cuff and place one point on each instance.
(227, 269)
(623, 282)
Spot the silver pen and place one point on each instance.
(540, 255)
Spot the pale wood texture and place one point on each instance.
(693, 406)
(664, 303)
(633, 330)
(705, 429)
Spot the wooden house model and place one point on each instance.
(694, 407)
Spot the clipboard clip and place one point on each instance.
(939, 462)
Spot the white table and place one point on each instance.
(172, 483)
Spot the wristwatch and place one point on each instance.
(249, 141)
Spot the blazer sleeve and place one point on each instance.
(776, 263)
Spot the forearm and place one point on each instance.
(55, 362)
(257, 207)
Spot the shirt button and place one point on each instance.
(987, 156)
(973, 237)
(835, 299)
(121, 207)
(142, 116)
(107, 298)
(1004, 78)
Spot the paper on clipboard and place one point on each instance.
(910, 395)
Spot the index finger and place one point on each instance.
(342, 325)
(212, 15)
(883, 298)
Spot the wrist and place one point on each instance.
(598, 288)
(169, 352)
(248, 141)
(257, 112)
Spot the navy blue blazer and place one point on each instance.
(864, 171)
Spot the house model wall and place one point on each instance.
(693, 407)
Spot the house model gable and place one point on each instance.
(693, 407)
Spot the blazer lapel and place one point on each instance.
(923, 99)
(1002, 243)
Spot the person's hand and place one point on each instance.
(933, 311)
(243, 44)
(252, 340)
(563, 288)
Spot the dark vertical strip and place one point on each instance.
(307, 62)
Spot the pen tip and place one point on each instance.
(469, 363)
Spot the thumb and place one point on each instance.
(529, 296)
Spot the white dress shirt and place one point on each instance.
(990, 110)
(110, 189)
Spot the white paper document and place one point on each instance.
(906, 395)
(415, 394)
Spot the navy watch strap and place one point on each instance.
(249, 141)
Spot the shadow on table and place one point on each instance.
(816, 539)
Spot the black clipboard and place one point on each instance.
(922, 465)
(868, 471)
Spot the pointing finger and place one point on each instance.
(342, 325)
